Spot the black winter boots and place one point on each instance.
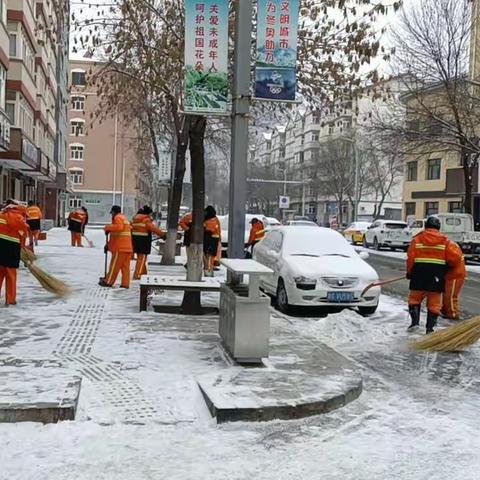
(414, 311)
(431, 321)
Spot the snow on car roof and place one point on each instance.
(304, 240)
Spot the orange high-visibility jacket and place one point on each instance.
(13, 231)
(120, 238)
(186, 222)
(458, 271)
(212, 225)
(143, 224)
(429, 256)
(77, 216)
(257, 232)
(34, 213)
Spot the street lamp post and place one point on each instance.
(239, 146)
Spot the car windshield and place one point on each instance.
(319, 242)
(396, 226)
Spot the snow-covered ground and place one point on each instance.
(141, 416)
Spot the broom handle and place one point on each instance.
(380, 283)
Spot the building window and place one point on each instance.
(77, 127)
(316, 119)
(13, 45)
(79, 78)
(10, 109)
(412, 171)
(433, 169)
(76, 152)
(315, 136)
(331, 129)
(312, 209)
(76, 176)
(78, 102)
(431, 208)
(410, 209)
(74, 202)
(455, 207)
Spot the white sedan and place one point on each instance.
(316, 267)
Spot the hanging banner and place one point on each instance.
(206, 57)
(275, 72)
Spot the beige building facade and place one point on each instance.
(104, 164)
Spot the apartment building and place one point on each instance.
(296, 151)
(33, 36)
(104, 165)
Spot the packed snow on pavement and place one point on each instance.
(141, 415)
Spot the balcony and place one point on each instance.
(4, 131)
(41, 172)
(22, 154)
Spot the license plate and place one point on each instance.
(340, 297)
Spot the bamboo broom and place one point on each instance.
(27, 255)
(451, 339)
(47, 281)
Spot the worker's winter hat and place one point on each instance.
(433, 222)
(115, 209)
(147, 210)
(254, 220)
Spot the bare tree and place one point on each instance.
(441, 102)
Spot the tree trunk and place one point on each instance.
(467, 175)
(191, 300)
(175, 195)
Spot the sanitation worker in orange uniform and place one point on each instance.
(429, 257)
(13, 232)
(211, 238)
(120, 245)
(185, 224)
(76, 222)
(454, 279)
(257, 232)
(34, 215)
(142, 228)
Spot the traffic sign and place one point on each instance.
(284, 202)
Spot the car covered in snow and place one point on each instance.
(355, 232)
(388, 234)
(315, 267)
(272, 223)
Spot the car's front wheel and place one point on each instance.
(367, 311)
(282, 297)
(365, 243)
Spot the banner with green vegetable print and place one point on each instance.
(206, 57)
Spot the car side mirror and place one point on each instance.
(364, 255)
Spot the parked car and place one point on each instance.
(356, 231)
(315, 267)
(387, 233)
(272, 223)
(301, 223)
(458, 227)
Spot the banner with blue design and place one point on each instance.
(276, 58)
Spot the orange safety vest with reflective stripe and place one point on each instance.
(13, 231)
(429, 256)
(120, 234)
(212, 225)
(143, 225)
(257, 232)
(34, 213)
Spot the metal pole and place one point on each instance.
(239, 146)
(356, 193)
(285, 182)
(303, 199)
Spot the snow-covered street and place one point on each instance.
(142, 417)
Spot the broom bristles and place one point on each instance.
(48, 282)
(451, 339)
(27, 256)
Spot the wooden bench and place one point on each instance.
(150, 283)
